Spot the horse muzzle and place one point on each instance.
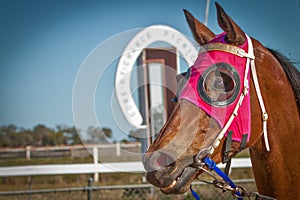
(172, 176)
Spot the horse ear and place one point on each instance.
(235, 35)
(201, 33)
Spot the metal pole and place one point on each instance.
(206, 12)
(90, 188)
(30, 186)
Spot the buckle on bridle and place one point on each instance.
(198, 159)
(265, 116)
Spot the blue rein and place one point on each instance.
(212, 166)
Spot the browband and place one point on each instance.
(226, 48)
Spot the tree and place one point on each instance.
(69, 134)
(9, 129)
(107, 132)
(42, 134)
(9, 136)
(97, 135)
(26, 137)
(12, 136)
(4, 136)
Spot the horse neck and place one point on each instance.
(276, 172)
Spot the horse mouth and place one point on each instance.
(171, 177)
(181, 183)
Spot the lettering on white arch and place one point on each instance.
(149, 35)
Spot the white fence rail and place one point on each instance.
(59, 169)
(33, 170)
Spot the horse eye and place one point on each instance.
(219, 84)
(228, 82)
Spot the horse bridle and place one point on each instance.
(249, 64)
(202, 159)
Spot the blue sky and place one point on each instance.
(44, 43)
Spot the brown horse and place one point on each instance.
(170, 160)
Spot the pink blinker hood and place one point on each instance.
(221, 112)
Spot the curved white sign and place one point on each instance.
(149, 35)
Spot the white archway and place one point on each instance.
(146, 37)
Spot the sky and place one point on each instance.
(44, 44)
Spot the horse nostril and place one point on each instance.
(157, 161)
(164, 160)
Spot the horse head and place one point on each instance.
(213, 103)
